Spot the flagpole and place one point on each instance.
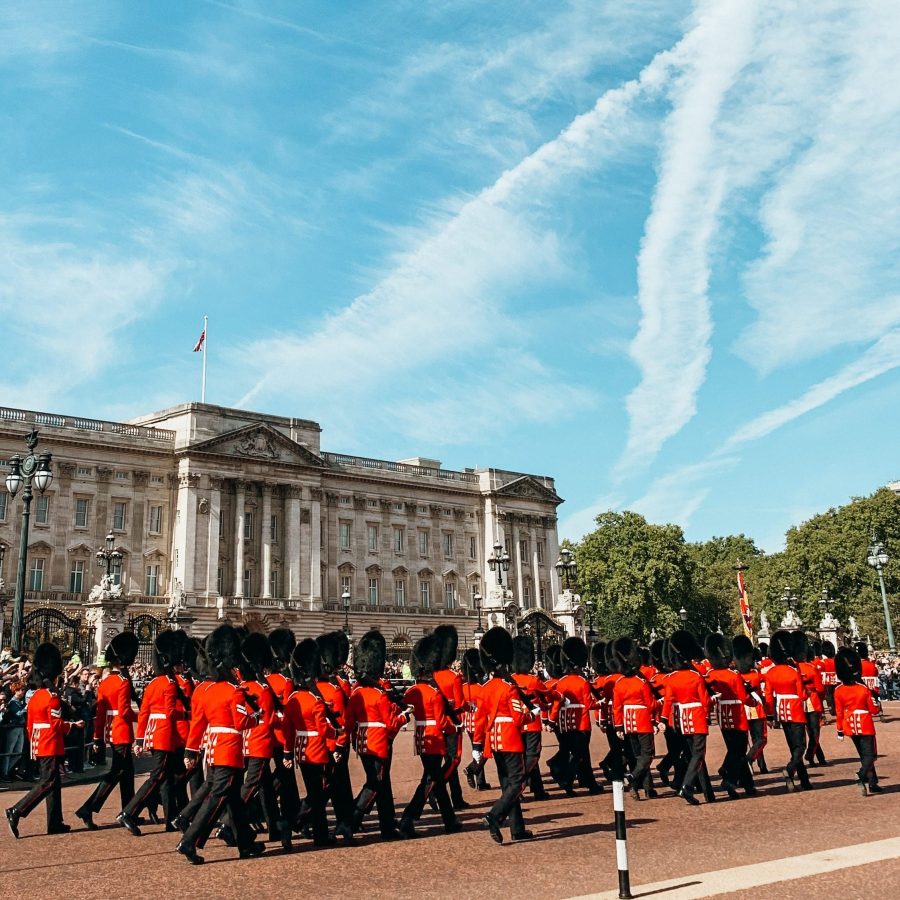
(205, 345)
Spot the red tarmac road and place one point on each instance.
(573, 853)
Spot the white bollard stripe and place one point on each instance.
(619, 796)
(621, 856)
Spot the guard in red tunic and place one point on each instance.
(742, 648)
(46, 729)
(634, 713)
(686, 706)
(373, 722)
(307, 730)
(815, 697)
(162, 706)
(499, 722)
(675, 748)
(558, 764)
(620, 757)
(539, 698)
(855, 711)
(869, 673)
(451, 686)
(282, 642)
(786, 704)
(828, 673)
(429, 709)
(114, 725)
(221, 715)
(473, 678)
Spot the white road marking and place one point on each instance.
(726, 881)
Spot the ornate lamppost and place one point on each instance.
(590, 610)
(566, 567)
(2, 598)
(499, 562)
(878, 559)
(23, 473)
(791, 621)
(108, 556)
(345, 600)
(479, 631)
(683, 614)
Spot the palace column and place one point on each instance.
(535, 567)
(265, 534)
(517, 556)
(216, 483)
(240, 515)
(292, 541)
(315, 540)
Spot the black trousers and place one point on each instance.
(829, 697)
(198, 794)
(865, 747)
(451, 767)
(511, 772)
(674, 749)
(432, 783)
(377, 790)
(696, 745)
(578, 744)
(121, 773)
(643, 750)
(49, 788)
(258, 782)
(168, 765)
(340, 791)
(735, 768)
(286, 788)
(758, 741)
(532, 741)
(619, 758)
(224, 798)
(314, 780)
(795, 735)
(813, 737)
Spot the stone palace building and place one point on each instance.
(223, 514)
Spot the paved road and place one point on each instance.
(573, 854)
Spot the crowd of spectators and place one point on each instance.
(889, 675)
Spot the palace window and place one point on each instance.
(373, 592)
(248, 526)
(119, 511)
(448, 544)
(273, 529)
(450, 595)
(42, 511)
(344, 533)
(400, 592)
(399, 540)
(4, 501)
(425, 594)
(36, 575)
(372, 538)
(151, 584)
(81, 512)
(423, 542)
(156, 520)
(473, 547)
(76, 576)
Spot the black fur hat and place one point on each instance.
(627, 655)
(598, 658)
(742, 649)
(473, 671)
(448, 643)
(848, 665)
(123, 649)
(329, 651)
(48, 662)
(306, 661)
(523, 654)
(553, 661)
(343, 648)
(828, 650)
(257, 655)
(683, 649)
(719, 651)
(166, 652)
(763, 649)
(862, 648)
(187, 649)
(799, 646)
(282, 642)
(780, 647)
(646, 656)
(815, 648)
(574, 652)
(657, 651)
(371, 652)
(612, 662)
(427, 656)
(201, 663)
(496, 649)
(223, 650)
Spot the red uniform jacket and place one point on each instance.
(648, 672)
(430, 711)
(731, 698)
(785, 694)
(500, 718)
(634, 706)
(45, 724)
(601, 710)
(196, 697)
(854, 708)
(306, 727)
(755, 683)
(451, 686)
(686, 702)
(221, 714)
(373, 721)
(658, 686)
(114, 719)
(826, 670)
(472, 695)
(575, 703)
(183, 722)
(539, 695)
(283, 688)
(815, 689)
(160, 710)
(336, 703)
(870, 676)
(259, 740)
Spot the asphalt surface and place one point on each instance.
(573, 853)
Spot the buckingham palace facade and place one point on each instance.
(231, 515)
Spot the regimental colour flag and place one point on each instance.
(199, 345)
(744, 598)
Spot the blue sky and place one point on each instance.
(649, 248)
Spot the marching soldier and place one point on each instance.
(451, 686)
(539, 698)
(828, 673)
(674, 743)
(869, 673)
(114, 725)
(815, 696)
(282, 642)
(473, 676)
(47, 729)
(742, 648)
(855, 709)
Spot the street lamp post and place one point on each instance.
(683, 614)
(345, 600)
(2, 598)
(566, 567)
(878, 559)
(25, 472)
(108, 556)
(590, 609)
(499, 562)
(479, 631)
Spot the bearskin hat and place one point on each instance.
(815, 648)
(828, 650)
(496, 649)
(627, 655)
(718, 650)
(553, 661)
(780, 647)
(343, 648)
(187, 650)
(657, 651)
(427, 656)
(201, 663)
(523, 654)
(306, 661)
(370, 655)
(329, 651)
(862, 648)
(683, 649)
(598, 658)
(612, 664)
(574, 652)
(123, 649)
(282, 642)
(257, 654)
(742, 650)
(473, 671)
(166, 652)
(762, 650)
(799, 646)
(223, 650)
(48, 661)
(646, 656)
(847, 665)
(448, 643)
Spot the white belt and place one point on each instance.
(787, 697)
(862, 712)
(40, 726)
(112, 712)
(158, 716)
(371, 725)
(306, 733)
(730, 702)
(503, 719)
(688, 705)
(574, 706)
(424, 722)
(634, 706)
(221, 729)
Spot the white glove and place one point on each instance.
(477, 755)
(536, 711)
